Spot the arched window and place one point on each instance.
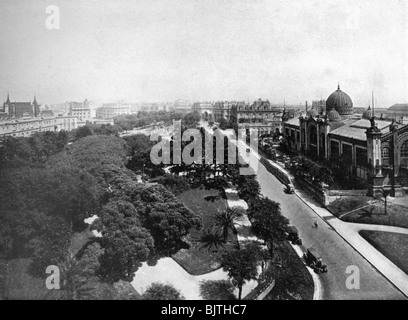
(404, 149)
(385, 153)
(404, 154)
(313, 135)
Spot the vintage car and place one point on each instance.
(314, 260)
(293, 235)
(289, 188)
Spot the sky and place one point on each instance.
(207, 50)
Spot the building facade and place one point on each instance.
(182, 106)
(111, 110)
(260, 116)
(375, 151)
(80, 110)
(19, 109)
(22, 119)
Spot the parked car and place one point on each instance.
(289, 188)
(293, 235)
(314, 260)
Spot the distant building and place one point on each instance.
(66, 123)
(100, 121)
(205, 109)
(227, 110)
(398, 112)
(19, 109)
(22, 119)
(182, 106)
(319, 105)
(111, 110)
(81, 110)
(261, 115)
(26, 126)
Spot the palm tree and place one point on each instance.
(326, 176)
(225, 220)
(210, 239)
(76, 286)
(385, 193)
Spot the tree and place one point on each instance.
(210, 239)
(50, 244)
(191, 120)
(326, 176)
(168, 220)
(139, 148)
(73, 284)
(159, 291)
(125, 250)
(248, 188)
(83, 132)
(125, 242)
(216, 290)
(267, 222)
(175, 184)
(225, 220)
(385, 193)
(223, 124)
(260, 252)
(241, 266)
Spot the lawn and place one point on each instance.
(194, 260)
(293, 281)
(347, 204)
(363, 212)
(394, 246)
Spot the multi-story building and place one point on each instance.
(81, 110)
(374, 150)
(22, 119)
(66, 123)
(262, 116)
(182, 106)
(111, 110)
(227, 110)
(19, 109)
(26, 126)
(205, 109)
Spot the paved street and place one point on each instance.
(336, 252)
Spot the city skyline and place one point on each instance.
(214, 50)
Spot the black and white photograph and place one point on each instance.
(204, 154)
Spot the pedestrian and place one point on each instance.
(316, 224)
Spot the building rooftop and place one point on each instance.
(399, 107)
(356, 129)
(293, 122)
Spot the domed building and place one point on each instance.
(367, 148)
(333, 115)
(341, 102)
(368, 114)
(312, 112)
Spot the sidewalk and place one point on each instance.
(403, 201)
(318, 287)
(350, 233)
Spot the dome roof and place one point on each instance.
(340, 101)
(333, 115)
(312, 112)
(368, 113)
